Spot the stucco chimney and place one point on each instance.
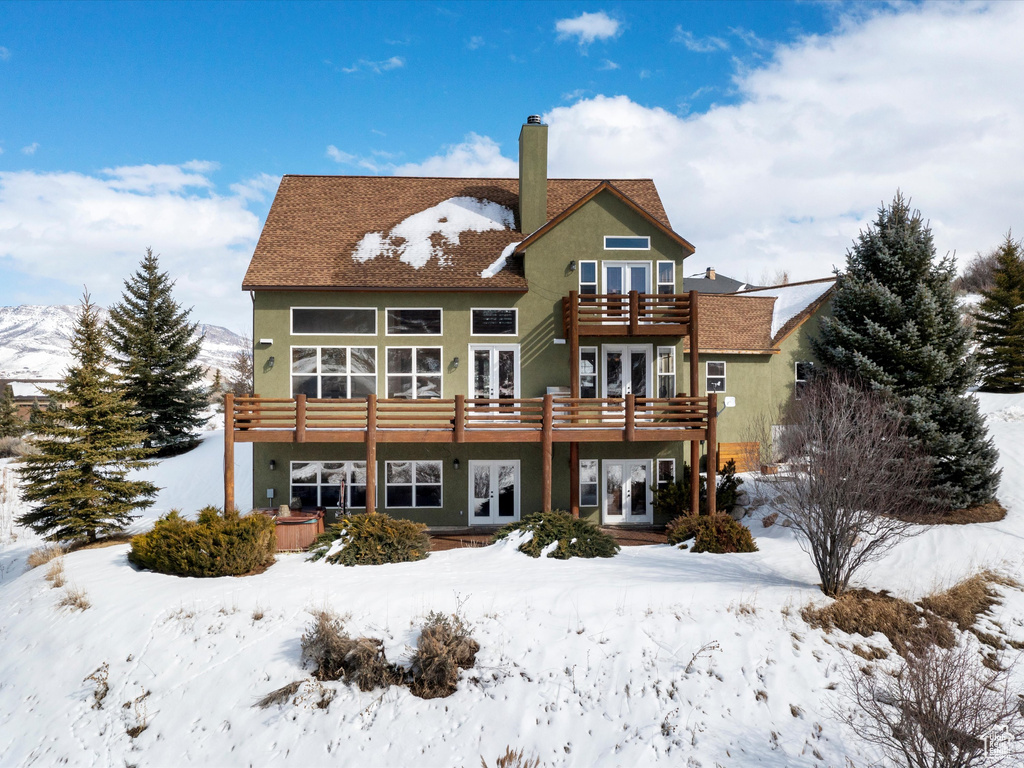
(533, 175)
(710, 273)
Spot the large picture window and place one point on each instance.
(334, 321)
(334, 372)
(415, 484)
(715, 377)
(494, 322)
(321, 483)
(413, 322)
(414, 372)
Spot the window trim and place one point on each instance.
(348, 486)
(293, 332)
(626, 264)
(493, 348)
(797, 381)
(597, 277)
(707, 377)
(413, 373)
(414, 462)
(514, 310)
(388, 333)
(657, 275)
(658, 375)
(628, 248)
(348, 348)
(596, 483)
(516, 497)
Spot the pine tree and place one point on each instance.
(155, 348)
(88, 441)
(11, 424)
(1000, 322)
(35, 414)
(241, 380)
(896, 327)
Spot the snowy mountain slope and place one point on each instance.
(653, 657)
(34, 342)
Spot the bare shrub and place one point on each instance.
(769, 520)
(980, 273)
(853, 481)
(279, 696)
(444, 647)
(940, 709)
(43, 555)
(100, 678)
(75, 599)
(338, 656)
(55, 573)
(513, 759)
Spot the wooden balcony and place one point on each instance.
(628, 314)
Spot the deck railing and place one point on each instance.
(627, 314)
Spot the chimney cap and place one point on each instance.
(533, 120)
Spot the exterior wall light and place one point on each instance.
(572, 265)
(456, 464)
(273, 465)
(455, 364)
(270, 362)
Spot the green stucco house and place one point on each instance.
(462, 352)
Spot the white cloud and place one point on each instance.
(698, 44)
(365, 65)
(588, 27)
(30, 149)
(257, 187)
(608, 65)
(5, 54)
(475, 42)
(70, 229)
(476, 156)
(338, 156)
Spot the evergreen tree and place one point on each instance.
(35, 414)
(241, 381)
(896, 327)
(88, 441)
(11, 424)
(155, 348)
(1000, 322)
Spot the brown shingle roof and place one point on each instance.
(729, 323)
(316, 222)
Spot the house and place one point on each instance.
(28, 392)
(709, 281)
(486, 347)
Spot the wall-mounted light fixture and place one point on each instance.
(572, 265)
(270, 362)
(456, 464)
(455, 363)
(273, 465)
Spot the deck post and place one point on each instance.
(574, 479)
(229, 452)
(546, 434)
(371, 453)
(634, 313)
(694, 350)
(630, 418)
(695, 477)
(460, 418)
(574, 344)
(712, 451)
(300, 418)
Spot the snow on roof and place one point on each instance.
(791, 300)
(499, 263)
(424, 235)
(26, 389)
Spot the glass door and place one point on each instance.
(495, 371)
(493, 492)
(627, 370)
(627, 495)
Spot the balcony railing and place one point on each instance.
(627, 314)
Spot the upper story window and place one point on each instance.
(334, 372)
(414, 372)
(666, 371)
(413, 322)
(715, 377)
(588, 278)
(666, 277)
(494, 322)
(616, 243)
(334, 321)
(804, 371)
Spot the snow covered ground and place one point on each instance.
(654, 657)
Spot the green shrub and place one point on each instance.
(373, 539)
(674, 499)
(214, 545)
(715, 533)
(575, 537)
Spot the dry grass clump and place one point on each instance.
(279, 696)
(55, 573)
(43, 555)
(989, 512)
(513, 759)
(75, 599)
(444, 647)
(338, 656)
(964, 602)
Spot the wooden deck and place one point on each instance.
(625, 535)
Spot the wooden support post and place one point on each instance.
(574, 344)
(630, 418)
(460, 418)
(300, 418)
(371, 453)
(694, 348)
(229, 452)
(546, 447)
(695, 477)
(712, 451)
(634, 313)
(574, 479)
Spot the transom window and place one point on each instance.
(415, 484)
(804, 371)
(715, 377)
(494, 322)
(321, 483)
(666, 277)
(626, 243)
(666, 371)
(334, 321)
(588, 372)
(334, 372)
(414, 372)
(588, 482)
(413, 322)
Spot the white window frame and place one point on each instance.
(493, 348)
(657, 277)
(494, 518)
(514, 310)
(319, 376)
(597, 370)
(626, 350)
(439, 311)
(628, 248)
(648, 516)
(597, 277)
(597, 482)
(797, 381)
(414, 462)
(627, 264)
(657, 471)
(659, 375)
(708, 376)
(291, 322)
(414, 374)
(349, 469)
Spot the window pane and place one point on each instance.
(494, 322)
(482, 373)
(359, 473)
(627, 243)
(588, 362)
(428, 496)
(666, 386)
(399, 472)
(506, 373)
(332, 473)
(333, 387)
(428, 472)
(307, 494)
(304, 385)
(363, 386)
(399, 360)
(304, 472)
(716, 384)
(613, 363)
(588, 271)
(428, 386)
(803, 371)
(588, 386)
(332, 360)
(414, 321)
(357, 495)
(666, 471)
(364, 359)
(588, 495)
(400, 386)
(399, 496)
(428, 360)
(716, 369)
(334, 320)
(330, 495)
(666, 361)
(304, 360)
(588, 472)
(666, 272)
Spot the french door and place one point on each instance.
(627, 491)
(626, 276)
(495, 371)
(493, 492)
(627, 370)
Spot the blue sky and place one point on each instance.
(773, 130)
